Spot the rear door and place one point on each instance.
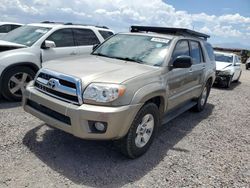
(85, 39)
(237, 67)
(197, 70)
(65, 45)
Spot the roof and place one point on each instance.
(13, 23)
(170, 30)
(224, 53)
(67, 25)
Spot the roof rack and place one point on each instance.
(169, 30)
(69, 23)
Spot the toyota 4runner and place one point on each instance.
(23, 50)
(130, 85)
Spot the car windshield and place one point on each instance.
(136, 48)
(223, 58)
(26, 35)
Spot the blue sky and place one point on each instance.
(227, 21)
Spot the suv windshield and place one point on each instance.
(223, 58)
(26, 35)
(137, 48)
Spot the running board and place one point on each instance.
(178, 111)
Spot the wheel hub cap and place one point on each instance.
(144, 131)
(18, 82)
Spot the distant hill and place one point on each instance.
(232, 45)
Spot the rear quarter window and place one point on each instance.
(210, 51)
(105, 34)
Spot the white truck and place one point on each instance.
(23, 50)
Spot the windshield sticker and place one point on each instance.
(41, 31)
(160, 40)
(159, 45)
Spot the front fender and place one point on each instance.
(147, 92)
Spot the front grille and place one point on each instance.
(49, 112)
(60, 86)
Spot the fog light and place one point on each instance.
(100, 126)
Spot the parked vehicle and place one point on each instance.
(6, 27)
(248, 63)
(228, 68)
(23, 51)
(126, 88)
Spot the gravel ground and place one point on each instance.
(207, 149)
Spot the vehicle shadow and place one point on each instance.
(4, 104)
(233, 85)
(98, 163)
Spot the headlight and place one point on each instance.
(225, 72)
(103, 93)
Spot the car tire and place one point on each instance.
(14, 82)
(202, 100)
(228, 82)
(247, 67)
(141, 133)
(238, 77)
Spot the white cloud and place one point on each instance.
(120, 14)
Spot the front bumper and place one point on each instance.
(221, 79)
(76, 119)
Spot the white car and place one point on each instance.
(23, 50)
(6, 27)
(228, 68)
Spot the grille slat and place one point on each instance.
(58, 86)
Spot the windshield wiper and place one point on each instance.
(100, 54)
(130, 59)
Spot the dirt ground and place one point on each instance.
(207, 149)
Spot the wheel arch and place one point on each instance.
(31, 65)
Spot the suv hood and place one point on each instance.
(222, 65)
(99, 69)
(5, 46)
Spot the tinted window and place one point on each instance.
(210, 51)
(105, 34)
(85, 37)
(196, 52)
(14, 27)
(5, 28)
(181, 48)
(62, 38)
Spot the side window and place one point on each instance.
(181, 48)
(196, 52)
(85, 37)
(62, 38)
(14, 27)
(210, 51)
(105, 34)
(5, 28)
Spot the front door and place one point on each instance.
(65, 45)
(178, 80)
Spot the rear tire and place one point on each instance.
(141, 133)
(14, 82)
(202, 100)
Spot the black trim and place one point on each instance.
(169, 30)
(49, 112)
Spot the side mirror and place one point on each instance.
(48, 44)
(182, 62)
(95, 46)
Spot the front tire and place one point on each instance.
(228, 82)
(14, 82)
(141, 133)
